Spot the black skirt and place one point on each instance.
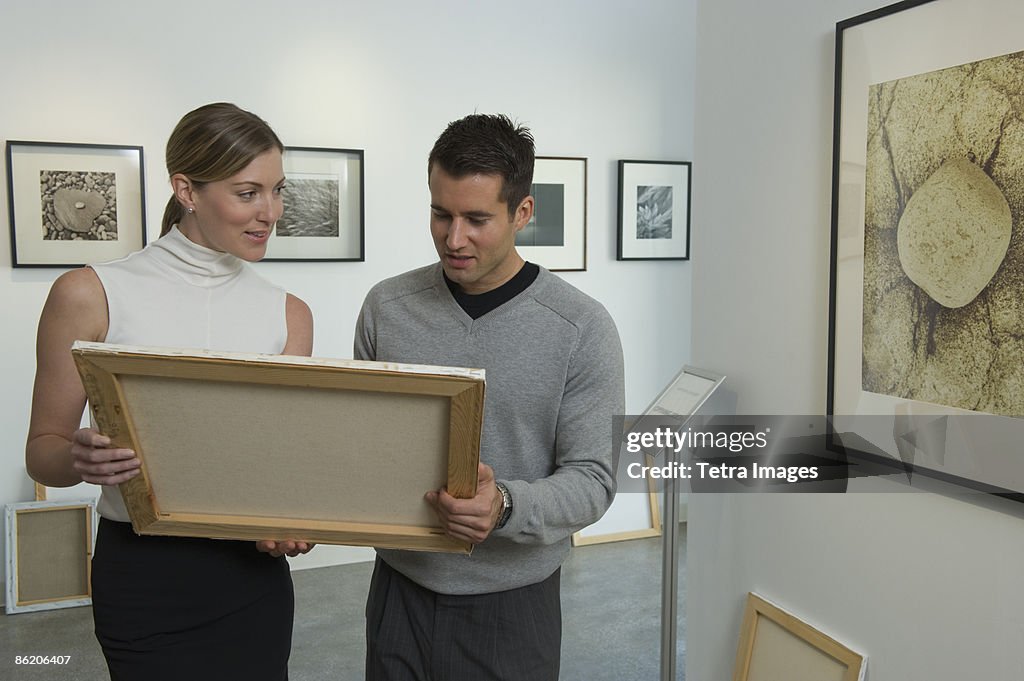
(178, 608)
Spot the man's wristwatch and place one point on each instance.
(506, 506)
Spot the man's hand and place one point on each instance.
(469, 519)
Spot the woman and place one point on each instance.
(166, 607)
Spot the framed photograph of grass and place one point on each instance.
(323, 206)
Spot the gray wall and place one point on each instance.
(605, 80)
(927, 586)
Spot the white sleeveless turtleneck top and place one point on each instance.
(176, 293)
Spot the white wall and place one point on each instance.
(927, 586)
(606, 80)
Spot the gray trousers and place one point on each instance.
(414, 634)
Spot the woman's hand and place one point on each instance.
(285, 547)
(97, 462)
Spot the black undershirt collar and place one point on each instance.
(477, 305)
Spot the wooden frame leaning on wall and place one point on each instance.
(775, 644)
(49, 554)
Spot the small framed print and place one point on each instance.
(323, 206)
(775, 644)
(654, 210)
(556, 236)
(74, 204)
(49, 554)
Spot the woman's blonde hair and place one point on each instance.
(213, 143)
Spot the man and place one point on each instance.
(554, 381)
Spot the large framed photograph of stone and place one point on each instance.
(323, 206)
(556, 236)
(246, 446)
(654, 210)
(926, 317)
(74, 204)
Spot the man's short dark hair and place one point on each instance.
(489, 144)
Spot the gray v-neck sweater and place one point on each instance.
(554, 381)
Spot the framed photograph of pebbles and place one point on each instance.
(556, 236)
(654, 210)
(323, 206)
(926, 326)
(74, 204)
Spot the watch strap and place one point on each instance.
(506, 506)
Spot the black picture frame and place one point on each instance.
(654, 210)
(556, 236)
(72, 204)
(893, 339)
(324, 211)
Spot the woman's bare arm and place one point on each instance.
(58, 453)
(300, 328)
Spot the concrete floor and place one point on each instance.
(611, 607)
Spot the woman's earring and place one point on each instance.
(191, 209)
